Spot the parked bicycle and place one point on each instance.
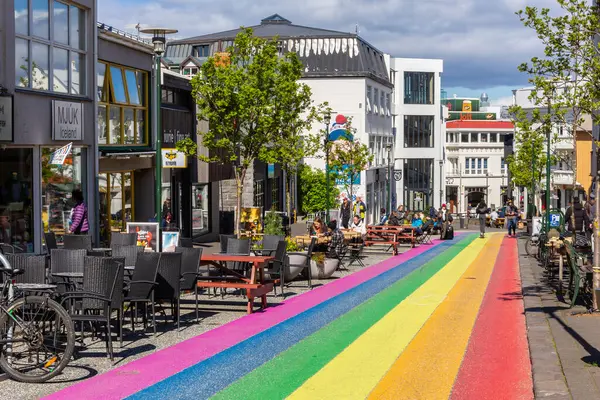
(37, 337)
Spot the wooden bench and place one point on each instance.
(390, 235)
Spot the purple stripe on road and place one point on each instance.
(146, 371)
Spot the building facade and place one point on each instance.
(418, 124)
(342, 69)
(475, 166)
(47, 100)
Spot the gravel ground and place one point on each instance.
(215, 311)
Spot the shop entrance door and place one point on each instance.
(116, 202)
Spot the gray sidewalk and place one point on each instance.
(564, 343)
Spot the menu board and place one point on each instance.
(147, 234)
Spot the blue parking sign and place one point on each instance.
(554, 220)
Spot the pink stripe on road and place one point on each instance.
(146, 371)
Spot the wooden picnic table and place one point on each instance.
(255, 285)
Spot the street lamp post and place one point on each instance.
(441, 177)
(389, 147)
(548, 132)
(327, 120)
(159, 41)
(487, 188)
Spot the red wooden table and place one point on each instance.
(255, 285)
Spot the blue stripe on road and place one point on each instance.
(210, 376)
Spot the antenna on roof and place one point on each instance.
(356, 29)
(138, 27)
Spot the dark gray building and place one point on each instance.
(47, 86)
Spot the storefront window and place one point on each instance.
(123, 92)
(199, 209)
(58, 181)
(116, 203)
(16, 205)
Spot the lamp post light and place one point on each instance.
(441, 189)
(327, 120)
(159, 41)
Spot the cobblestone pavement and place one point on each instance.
(563, 342)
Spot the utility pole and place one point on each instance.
(548, 133)
(596, 188)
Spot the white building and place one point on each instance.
(563, 183)
(475, 167)
(418, 123)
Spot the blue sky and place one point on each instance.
(481, 41)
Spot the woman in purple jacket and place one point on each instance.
(79, 220)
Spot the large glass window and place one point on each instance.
(58, 181)
(122, 97)
(419, 88)
(49, 46)
(116, 203)
(16, 205)
(473, 166)
(418, 130)
(258, 193)
(418, 184)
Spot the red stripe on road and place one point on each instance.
(496, 365)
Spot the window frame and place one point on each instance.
(51, 44)
(424, 94)
(413, 134)
(109, 102)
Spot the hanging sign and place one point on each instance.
(171, 158)
(6, 118)
(60, 155)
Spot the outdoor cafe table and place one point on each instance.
(255, 286)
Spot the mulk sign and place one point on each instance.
(68, 120)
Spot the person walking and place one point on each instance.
(482, 210)
(445, 219)
(79, 220)
(360, 208)
(345, 213)
(511, 216)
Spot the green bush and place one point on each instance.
(273, 224)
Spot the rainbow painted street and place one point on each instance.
(436, 322)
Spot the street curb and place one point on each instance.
(548, 378)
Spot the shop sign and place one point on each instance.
(6, 118)
(60, 155)
(171, 158)
(67, 120)
(147, 235)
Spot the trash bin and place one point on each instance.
(462, 221)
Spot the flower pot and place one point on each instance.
(297, 262)
(325, 269)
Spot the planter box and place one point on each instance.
(297, 262)
(324, 270)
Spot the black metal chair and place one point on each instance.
(169, 281)
(130, 252)
(6, 249)
(276, 269)
(140, 289)
(76, 242)
(62, 260)
(50, 239)
(239, 247)
(33, 265)
(123, 239)
(306, 264)
(101, 278)
(190, 270)
(186, 242)
(223, 239)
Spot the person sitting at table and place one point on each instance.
(394, 220)
(383, 218)
(358, 226)
(418, 224)
(318, 227)
(336, 246)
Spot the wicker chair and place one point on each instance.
(240, 247)
(190, 269)
(123, 239)
(186, 242)
(76, 242)
(276, 269)
(62, 260)
(223, 239)
(141, 287)
(6, 249)
(101, 279)
(34, 267)
(130, 252)
(270, 243)
(169, 281)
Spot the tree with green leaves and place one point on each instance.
(348, 159)
(313, 190)
(248, 97)
(568, 73)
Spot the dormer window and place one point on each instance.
(202, 51)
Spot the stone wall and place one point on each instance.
(228, 189)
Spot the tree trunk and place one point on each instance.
(596, 239)
(288, 199)
(240, 174)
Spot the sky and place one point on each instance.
(481, 41)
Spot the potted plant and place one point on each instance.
(297, 260)
(322, 267)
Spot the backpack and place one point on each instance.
(449, 233)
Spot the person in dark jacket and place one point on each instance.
(394, 220)
(576, 218)
(345, 213)
(482, 210)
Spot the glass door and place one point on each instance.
(116, 202)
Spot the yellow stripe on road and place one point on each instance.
(428, 366)
(356, 370)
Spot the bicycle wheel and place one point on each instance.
(531, 248)
(38, 339)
